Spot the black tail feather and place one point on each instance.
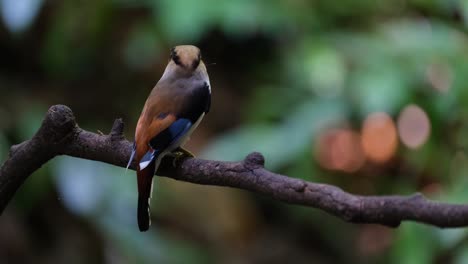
(145, 183)
(143, 213)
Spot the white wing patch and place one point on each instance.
(144, 164)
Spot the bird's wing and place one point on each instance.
(185, 114)
(155, 127)
(171, 135)
(147, 130)
(165, 139)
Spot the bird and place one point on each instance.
(173, 110)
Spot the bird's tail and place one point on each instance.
(145, 187)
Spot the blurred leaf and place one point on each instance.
(4, 146)
(450, 237)
(461, 257)
(143, 47)
(151, 246)
(304, 167)
(35, 188)
(96, 189)
(422, 39)
(463, 5)
(30, 121)
(377, 90)
(18, 15)
(237, 18)
(326, 71)
(264, 104)
(281, 143)
(415, 244)
(77, 29)
(238, 143)
(108, 197)
(456, 190)
(82, 184)
(178, 16)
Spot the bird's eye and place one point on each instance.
(174, 56)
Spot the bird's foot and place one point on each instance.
(180, 154)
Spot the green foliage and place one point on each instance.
(290, 136)
(75, 36)
(287, 71)
(415, 244)
(3, 147)
(142, 47)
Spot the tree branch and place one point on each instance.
(59, 134)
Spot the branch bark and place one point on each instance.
(59, 134)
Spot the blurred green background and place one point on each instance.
(368, 95)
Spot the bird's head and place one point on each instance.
(186, 56)
(185, 61)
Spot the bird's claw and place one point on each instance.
(180, 154)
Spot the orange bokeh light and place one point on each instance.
(379, 137)
(340, 149)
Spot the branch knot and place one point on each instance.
(254, 160)
(117, 130)
(58, 123)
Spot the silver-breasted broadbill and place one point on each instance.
(173, 110)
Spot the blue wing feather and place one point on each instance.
(171, 134)
(148, 158)
(165, 139)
